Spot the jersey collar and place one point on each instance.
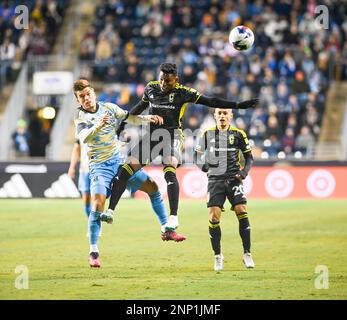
(86, 111)
(223, 130)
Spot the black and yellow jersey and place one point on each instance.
(171, 105)
(222, 150)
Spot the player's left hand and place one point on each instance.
(241, 175)
(248, 104)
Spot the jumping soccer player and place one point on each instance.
(218, 154)
(96, 126)
(165, 98)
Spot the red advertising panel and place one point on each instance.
(266, 182)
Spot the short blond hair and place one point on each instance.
(80, 85)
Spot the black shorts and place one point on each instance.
(219, 190)
(151, 146)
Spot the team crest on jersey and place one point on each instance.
(171, 97)
(231, 139)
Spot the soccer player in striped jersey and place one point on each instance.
(168, 99)
(96, 126)
(218, 153)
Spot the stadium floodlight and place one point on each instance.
(47, 113)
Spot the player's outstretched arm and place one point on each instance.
(145, 119)
(214, 102)
(135, 110)
(139, 107)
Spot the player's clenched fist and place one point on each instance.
(105, 119)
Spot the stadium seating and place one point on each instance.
(287, 72)
(289, 68)
(18, 45)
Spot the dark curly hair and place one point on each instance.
(168, 68)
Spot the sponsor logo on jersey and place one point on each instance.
(160, 106)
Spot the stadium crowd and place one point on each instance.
(289, 67)
(45, 18)
(37, 38)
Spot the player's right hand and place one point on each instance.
(105, 119)
(205, 167)
(248, 104)
(71, 173)
(241, 175)
(156, 119)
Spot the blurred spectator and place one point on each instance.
(38, 41)
(7, 54)
(103, 49)
(108, 95)
(311, 118)
(125, 30)
(21, 139)
(304, 141)
(189, 76)
(39, 133)
(288, 141)
(272, 145)
(292, 122)
(287, 65)
(300, 85)
(88, 45)
(7, 50)
(273, 128)
(152, 29)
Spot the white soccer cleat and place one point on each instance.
(218, 262)
(107, 216)
(248, 261)
(172, 224)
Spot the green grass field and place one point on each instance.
(289, 239)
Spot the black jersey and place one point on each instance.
(223, 150)
(171, 105)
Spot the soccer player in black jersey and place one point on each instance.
(218, 154)
(166, 98)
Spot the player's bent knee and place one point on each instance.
(240, 208)
(214, 219)
(149, 186)
(214, 214)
